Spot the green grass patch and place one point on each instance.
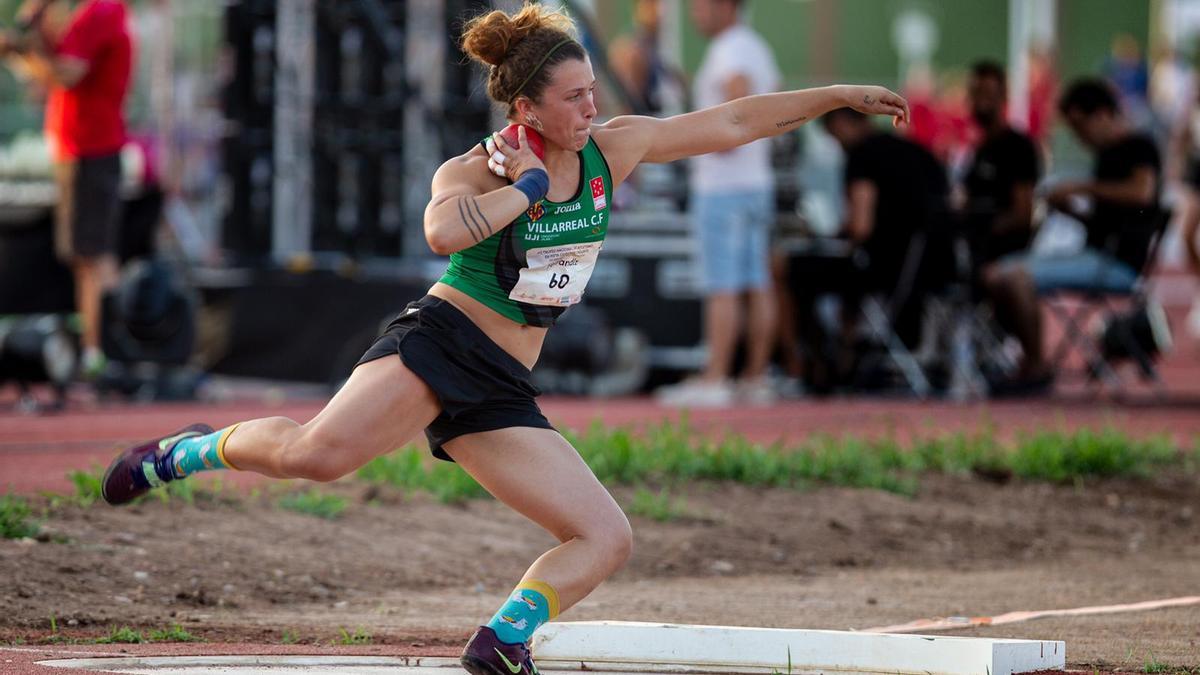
(127, 635)
(670, 453)
(15, 518)
(175, 633)
(1153, 665)
(289, 637)
(314, 503)
(87, 485)
(657, 505)
(359, 637)
(1191, 460)
(412, 469)
(1066, 457)
(178, 490)
(123, 635)
(190, 491)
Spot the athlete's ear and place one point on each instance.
(524, 108)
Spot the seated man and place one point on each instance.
(894, 188)
(1124, 192)
(997, 191)
(999, 183)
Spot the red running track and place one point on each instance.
(38, 451)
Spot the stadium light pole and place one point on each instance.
(1031, 24)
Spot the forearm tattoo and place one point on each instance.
(787, 123)
(473, 219)
(482, 218)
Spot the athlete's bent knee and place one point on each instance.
(312, 458)
(616, 540)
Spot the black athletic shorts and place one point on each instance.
(88, 215)
(481, 387)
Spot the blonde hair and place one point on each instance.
(520, 49)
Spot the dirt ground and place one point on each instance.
(408, 570)
(417, 576)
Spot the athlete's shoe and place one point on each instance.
(485, 654)
(144, 466)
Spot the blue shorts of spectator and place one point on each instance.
(1086, 270)
(734, 232)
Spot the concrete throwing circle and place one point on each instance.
(308, 665)
(260, 665)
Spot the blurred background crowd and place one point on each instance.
(1033, 226)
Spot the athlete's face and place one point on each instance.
(567, 107)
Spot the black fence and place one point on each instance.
(362, 100)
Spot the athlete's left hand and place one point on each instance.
(878, 101)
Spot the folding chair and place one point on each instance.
(960, 334)
(1087, 301)
(881, 311)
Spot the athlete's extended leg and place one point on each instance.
(381, 407)
(539, 474)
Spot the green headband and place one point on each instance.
(539, 67)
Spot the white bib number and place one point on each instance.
(556, 275)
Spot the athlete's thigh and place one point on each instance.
(537, 473)
(381, 407)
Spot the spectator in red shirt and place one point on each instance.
(86, 68)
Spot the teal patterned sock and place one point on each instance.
(532, 604)
(200, 453)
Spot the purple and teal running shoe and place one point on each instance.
(485, 654)
(144, 466)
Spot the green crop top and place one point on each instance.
(536, 267)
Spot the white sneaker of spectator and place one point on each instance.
(790, 388)
(696, 393)
(757, 391)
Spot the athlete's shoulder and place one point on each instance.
(469, 168)
(474, 158)
(622, 142)
(622, 130)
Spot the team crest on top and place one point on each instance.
(536, 212)
(598, 198)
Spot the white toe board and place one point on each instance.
(604, 644)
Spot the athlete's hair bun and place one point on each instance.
(491, 37)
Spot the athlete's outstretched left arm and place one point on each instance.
(647, 139)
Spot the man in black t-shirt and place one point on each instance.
(1000, 181)
(1124, 192)
(894, 188)
(998, 209)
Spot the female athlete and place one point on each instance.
(522, 234)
